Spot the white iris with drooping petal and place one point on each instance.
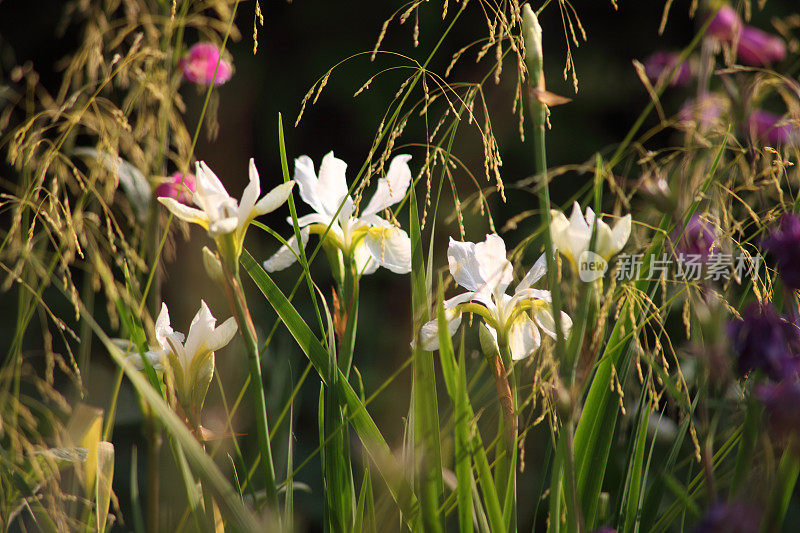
(572, 237)
(483, 269)
(366, 238)
(220, 214)
(190, 358)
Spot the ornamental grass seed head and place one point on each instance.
(226, 219)
(200, 65)
(483, 269)
(365, 238)
(707, 111)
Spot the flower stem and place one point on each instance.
(506, 383)
(338, 468)
(248, 332)
(350, 314)
(539, 119)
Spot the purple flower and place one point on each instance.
(178, 186)
(200, 63)
(662, 64)
(784, 244)
(726, 25)
(696, 239)
(705, 111)
(780, 404)
(605, 529)
(732, 517)
(754, 47)
(758, 48)
(771, 128)
(763, 340)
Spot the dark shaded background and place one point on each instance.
(297, 45)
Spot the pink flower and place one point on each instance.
(200, 63)
(758, 48)
(662, 64)
(705, 111)
(771, 128)
(726, 25)
(178, 186)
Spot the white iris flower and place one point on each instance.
(190, 358)
(368, 239)
(221, 215)
(486, 273)
(572, 237)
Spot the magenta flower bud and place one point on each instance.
(178, 186)
(200, 63)
(696, 239)
(662, 64)
(771, 128)
(758, 48)
(726, 25)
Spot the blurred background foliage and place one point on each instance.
(297, 44)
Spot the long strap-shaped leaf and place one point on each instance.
(427, 456)
(369, 433)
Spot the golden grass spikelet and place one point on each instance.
(258, 20)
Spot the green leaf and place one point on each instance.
(362, 422)
(633, 480)
(467, 434)
(428, 475)
(654, 494)
(105, 477)
(138, 517)
(781, 492)
(457, 377)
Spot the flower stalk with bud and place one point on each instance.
(226, 221)
(564, 460)
(355, 243)
(510, 330)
